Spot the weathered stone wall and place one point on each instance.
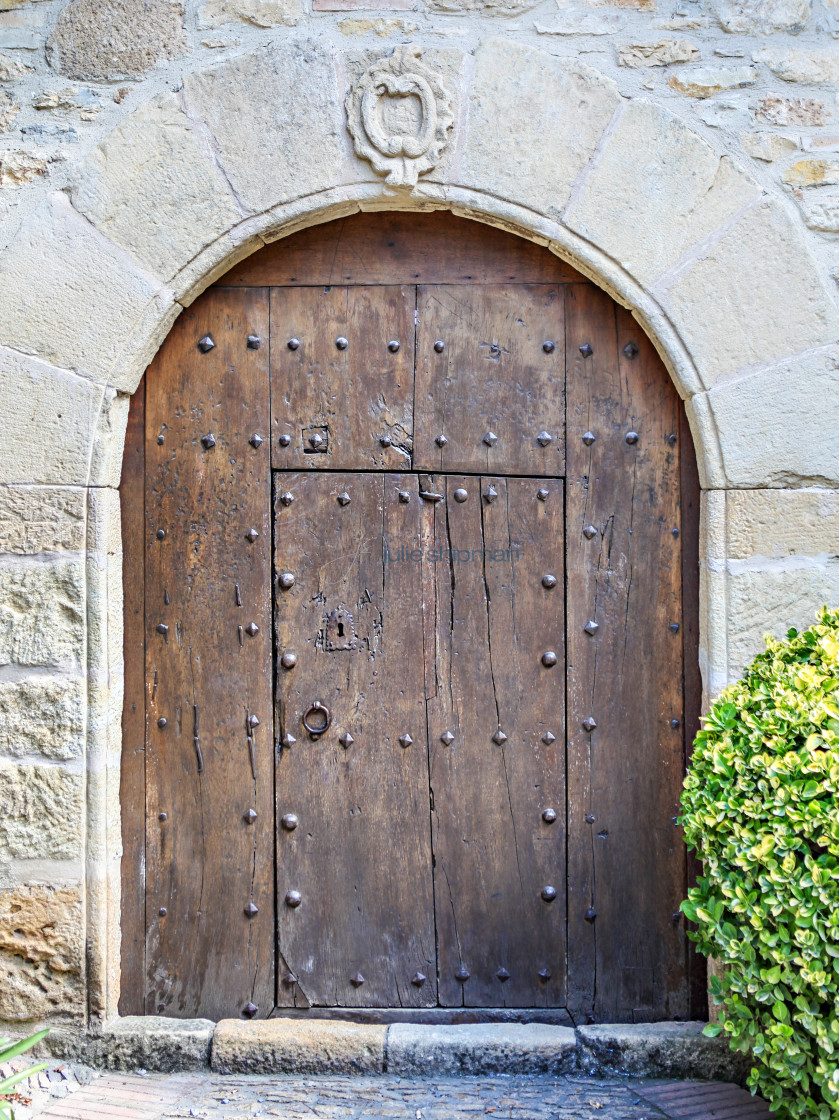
(683, 153)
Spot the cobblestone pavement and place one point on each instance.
(67, 1091)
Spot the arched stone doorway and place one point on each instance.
(512, 847)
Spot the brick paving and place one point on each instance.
(206, 1096)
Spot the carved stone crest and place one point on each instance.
(399, 115)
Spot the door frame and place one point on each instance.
(304, 259)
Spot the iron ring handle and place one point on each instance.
(317, 707)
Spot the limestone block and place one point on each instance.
(41, 519)
(798, 64)
(273, 115)
(67, 293)
(819, 209)
(41, 715)
(19, 168)
(762, 17)
(297, 1046)
(772, 600)
(41, 953)
(662, 52)
(49, 419)
(656, 189)
(761, 296)
(42, 612)
(704, 81)
(779, 523)
(96, 41)
(633, 5)
(11, 69)
(155, 1043)
(489, 1048)
(660, 1050)
(261, 13)
(786, 111)
(812, 173)
(560, 108)
(66, 99)
(151, 187)
(9, 109)
(41, 812)
(376, 25)
(778, 427)
(767, 146)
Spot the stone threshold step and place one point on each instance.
(319, 1046)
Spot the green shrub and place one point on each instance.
(9, 1050)
(760, 808)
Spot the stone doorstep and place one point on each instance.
(320, 1046)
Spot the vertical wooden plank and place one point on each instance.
(360, 927)
(132, 764)
(486, 383)
(496, 737)
(342, 375)
(209, 760)
(627, 952)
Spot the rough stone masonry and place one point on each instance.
(684, 153)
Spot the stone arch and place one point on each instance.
(253, 149)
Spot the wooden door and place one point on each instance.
(450, 781)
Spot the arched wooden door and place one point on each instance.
(410, 527)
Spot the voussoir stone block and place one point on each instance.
(93, 40)
(273, 115)
(42, 612)
(49, 420)
(42, 715)
(151, 187)
(41, 812)
(41, 953)
(485, 1048)
(780, 523)
(294, 1046)
(154, 1043)
(655, 189)
(777, 427)
(659, 1050)
(761, 294)
(560, 108)
(67, 293)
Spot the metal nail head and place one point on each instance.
(544, 438)
(503, 975)
(256, 441)
(631, 437)
(251, 816)
(284, 440)
(439, 346)
(341, 343)
(549, 659)
(548, 893)
(345, 739)
(290, 822)
(288, 659)
(542, 494)
(385, 441)
(590, 915)
(549, 581)
(405, 741)
(357, 980)
(589, 438)
(404, 497)
(162, 721)
(490, 439)
(586, 350)
(254, 342)
(393, 346)
(549, 816)
(293, 899)
(440, 440)
(549, 346)
(286, 580)
(591, 627)
(460, 495)
(252, 629)
(490, 494)
(548, 738)
(447, 738)
(461, 975)
(250, 1009)
(418, 979)
(208, 441)
(161, 534)
(589, 531)
(589, 724)
(293, 344)
(287, 498)
(630, 350)
(344, 499)
(251, 910)
(499, 737)
(206, 344)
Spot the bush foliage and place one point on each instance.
(760, 808)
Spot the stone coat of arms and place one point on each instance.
(399, 115)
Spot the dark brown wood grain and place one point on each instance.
(133, 768)
(360, 855)
(350, 399)
(207, 674)
(626, 879)
(489, 620)
(400, 248)
(485, 382)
